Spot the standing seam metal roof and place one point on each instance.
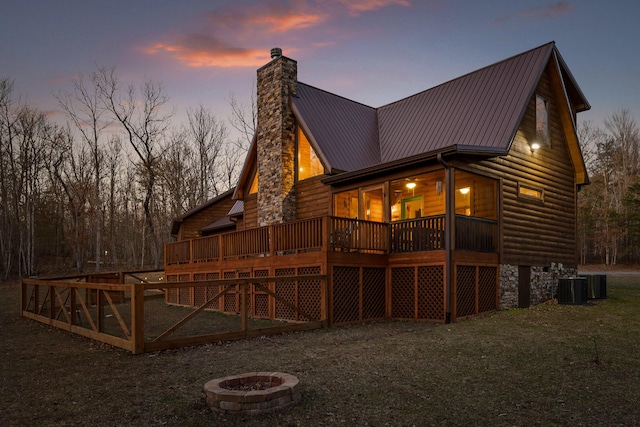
(481, 109)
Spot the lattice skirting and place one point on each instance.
(417, 293)
(305, 294)
(475, 290)
(358, 294)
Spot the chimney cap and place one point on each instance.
(276, 52)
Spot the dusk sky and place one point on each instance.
(372, 51)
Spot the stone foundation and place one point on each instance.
(544, 283)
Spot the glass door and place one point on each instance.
(372, 204)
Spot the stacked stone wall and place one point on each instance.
(543, 280)
(276, 142)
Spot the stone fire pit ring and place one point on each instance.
(252, 393)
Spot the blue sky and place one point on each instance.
(371, 51)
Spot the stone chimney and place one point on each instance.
(276, 81)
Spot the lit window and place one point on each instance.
(542, 121)
(254, 184)
(530, 192)
(475, 195)
(345, 204)
(309, 164)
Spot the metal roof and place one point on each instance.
(220, 224)
(481, 109)
(237, 208)
(344, 131)
(479, 112)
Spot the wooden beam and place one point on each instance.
(229, 336)
(193, 313)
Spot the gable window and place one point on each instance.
(528, 192)
(309, 164)
(254, 184)
(542, 121)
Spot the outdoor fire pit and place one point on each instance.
(253, 393)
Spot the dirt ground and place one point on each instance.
(548, 365)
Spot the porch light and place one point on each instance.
(535, 146)
(465, 190)
(411, 185)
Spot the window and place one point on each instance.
(366, 203)
(254, 184)
(309, 164)
(542, 121)
(345, 204)
(530, 192)
(417, 196)
(475, 195)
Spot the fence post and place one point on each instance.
(137, 318)
(23, 298)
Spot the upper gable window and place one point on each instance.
(254, 184)
(542, 120)
(309, 164)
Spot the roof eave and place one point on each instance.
(412, 161)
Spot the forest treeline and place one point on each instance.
(100, 191)
(609, 208)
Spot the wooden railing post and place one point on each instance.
(270, 239)
(137, 318)
(325, 233)
(243, 307)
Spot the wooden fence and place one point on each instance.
(114, 313)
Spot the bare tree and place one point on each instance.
(209, 136)
(244, 119)
(89, 116)
(141, 113)
(70, 168)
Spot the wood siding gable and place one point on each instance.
(538, 232)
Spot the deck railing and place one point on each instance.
(476, 234)
(245, 244)
(303, 235)
(418, 235)
(358, 235)
(206, 249)
(336, 234)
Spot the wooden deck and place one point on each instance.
(374, 270)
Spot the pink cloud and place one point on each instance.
(217, 42)
(359, 6)
(223, 38)
(203, 51)
(537, 13)
(290, 21)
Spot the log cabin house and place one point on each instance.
(455, 201)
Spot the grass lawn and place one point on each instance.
(548, 365)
